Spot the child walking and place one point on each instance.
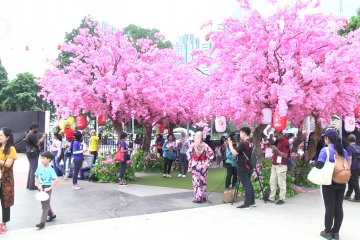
(45, 180)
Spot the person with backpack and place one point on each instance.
(354, 151)
(244, 168)
(333, 194)
(169, 154)
(281, 149)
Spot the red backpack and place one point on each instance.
(342, 172)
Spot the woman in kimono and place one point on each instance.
(200, 156)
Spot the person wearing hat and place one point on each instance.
(354, 151)
(281, 150)
(333, 195)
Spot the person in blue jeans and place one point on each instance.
(124, 148)
(78, 156)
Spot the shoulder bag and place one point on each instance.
(324, 175)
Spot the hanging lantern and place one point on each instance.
(81, 122)
(101, 120)
(207, 36)
(161, 128)
(59, 47)
(309, 124)
(357, 111)
(266, 116)
(279, 122)
(349, 124)
(220, 124)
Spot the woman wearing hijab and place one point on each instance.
(200, 156)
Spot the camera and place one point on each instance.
(234, 137)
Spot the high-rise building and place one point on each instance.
(187, 43)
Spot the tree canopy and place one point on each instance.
(3, 75)
(353, 24)
(20, 94)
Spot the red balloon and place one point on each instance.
(357, 112)
(27, 48)
(101, 120)
(278, 122)
(161, 128)
(81, 122)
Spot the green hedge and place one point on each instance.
(147, 162)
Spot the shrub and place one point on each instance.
(147, 162)
(107, 170)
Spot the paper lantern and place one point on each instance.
(81, 122)
(220, 124)
(357, 112)
(279, 122)
(309, 124)
(266, 116)
(349, 124)
(161, 128)
(59, 47)
(101, 120)
(207, 36)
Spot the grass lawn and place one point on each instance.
(215, 183)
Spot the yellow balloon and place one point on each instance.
(71, 120)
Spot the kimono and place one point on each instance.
(198, 166)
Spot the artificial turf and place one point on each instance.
(215, 182)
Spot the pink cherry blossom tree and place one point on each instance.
(292, 61)
(110, 75)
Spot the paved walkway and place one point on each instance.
(108, 211)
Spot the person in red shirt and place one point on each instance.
(281, 150)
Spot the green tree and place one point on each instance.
(353, 24)
(3, 75)
(20, 94)
(136, 32)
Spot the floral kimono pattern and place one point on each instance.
(198, 166)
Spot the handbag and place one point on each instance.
(324, 175)
(229, 195)
(119, 156)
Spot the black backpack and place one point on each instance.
(254, 158)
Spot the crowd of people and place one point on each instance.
(194, 158)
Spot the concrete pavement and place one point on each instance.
(113, 212)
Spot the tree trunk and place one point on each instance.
(147, 138)
(313, 141)
(171, 127)
(118, 127)
(257, 135)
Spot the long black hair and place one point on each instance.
(10, 142)
(338, 145)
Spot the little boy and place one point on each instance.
(45, 180)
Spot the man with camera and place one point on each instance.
(243, 153)
(281, 148)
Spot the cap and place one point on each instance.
(330, 133)
(352, 137)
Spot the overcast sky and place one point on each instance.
(41, 24)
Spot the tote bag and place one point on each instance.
(322, 176)
(119, 156)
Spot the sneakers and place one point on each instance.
(168, 175)
(164, 175)
(51, 218)
(326, 235)
(347, 197)
(280, 202)
(184, 176)
(40, 225)
(180, 175)
(253, 205)
(3, 228)
(77, 187)
(245, 207)
(336, 236)
(123, 183)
